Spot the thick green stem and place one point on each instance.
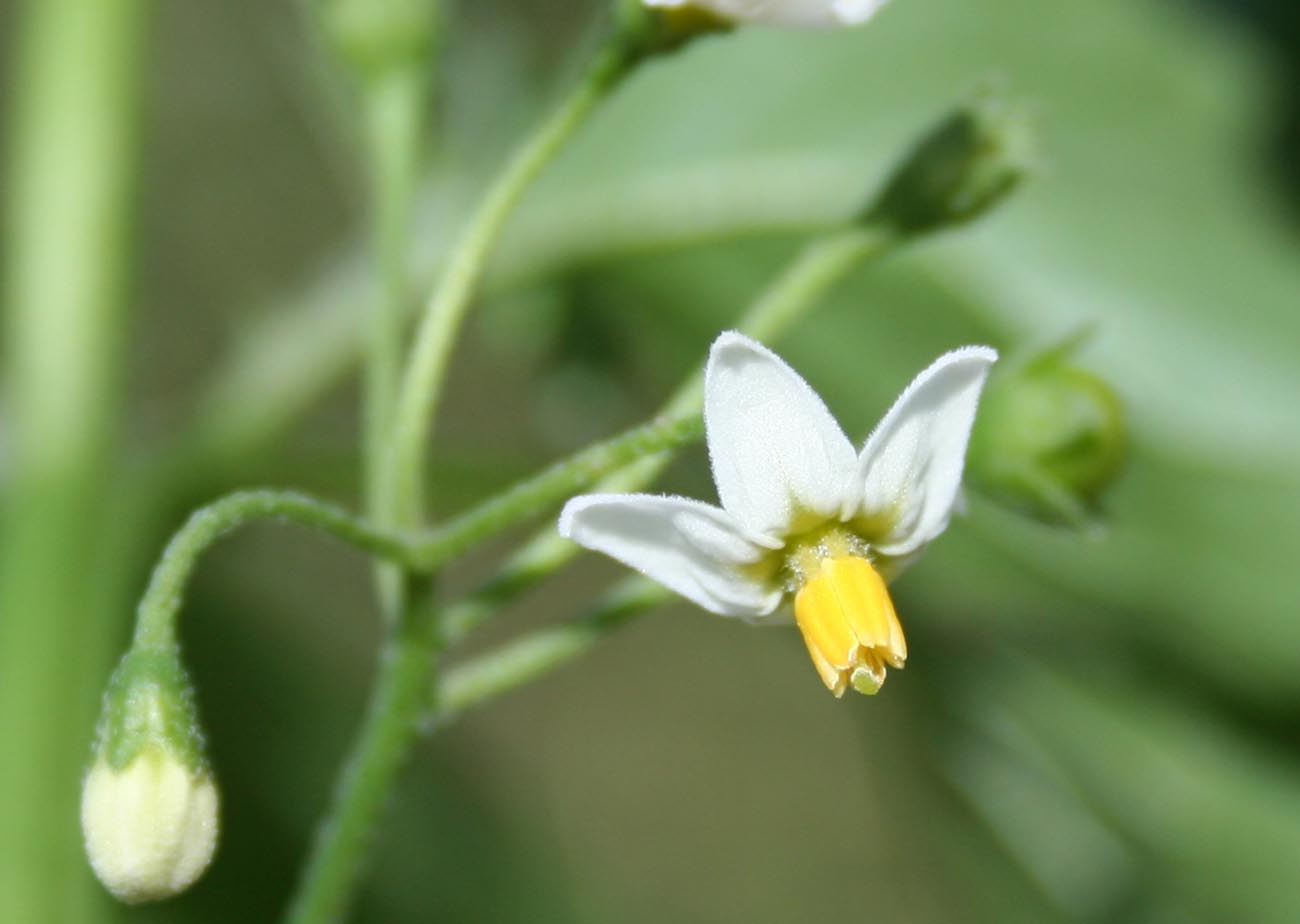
(818, 266)
(440, 324)
(67, 197)
(380, 751)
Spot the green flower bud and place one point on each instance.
(1050, 438)
(965, 166)
(649, 30)
(149, 802)
(375, 35)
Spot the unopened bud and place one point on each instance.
(1050, 438)
(647, 29)
(149, 802)
(374, 35)
(965, 166)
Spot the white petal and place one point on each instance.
(813, 13)
(910, 468)
(779, 458)
(690, 547)
(853, 12)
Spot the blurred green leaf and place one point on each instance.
(1207, 813)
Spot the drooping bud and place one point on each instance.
(965, 166)
(376, 35)
(1050, 438)
(149, 802)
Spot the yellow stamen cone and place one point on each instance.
(849, 625)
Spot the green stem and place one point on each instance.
(409, 663)
(395, 101)
(379, 753)
(664, 433)
(426, 368)
(821, 264)
(298, 351)
(536, 654)
(156, 617)
(69, 212)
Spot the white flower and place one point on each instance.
(802, 513)
(151, 827)
(781, 12)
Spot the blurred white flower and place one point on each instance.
(816, 13)
(802, 513)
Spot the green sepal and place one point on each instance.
(1050, 438)
(377, 36)
(963, 167)
(149, 704)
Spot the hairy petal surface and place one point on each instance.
(777, 453)
(690, 547)
(909, 472)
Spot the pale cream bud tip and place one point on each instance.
(150, 828)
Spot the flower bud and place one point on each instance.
(149, 802)
(965, 166)
(150, 828)
(648, 29)
(374, 35)
(1050, 438)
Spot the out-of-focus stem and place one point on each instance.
(426, 369)
(537, 653)
(407, 667)
(395, 102)
(307, 343)
(72, 166)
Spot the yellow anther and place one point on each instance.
(848, 623)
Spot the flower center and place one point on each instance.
(846, 616)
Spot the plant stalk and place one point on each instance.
(408, 665)
(395, 102)
(439, 326)
(380, 751)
